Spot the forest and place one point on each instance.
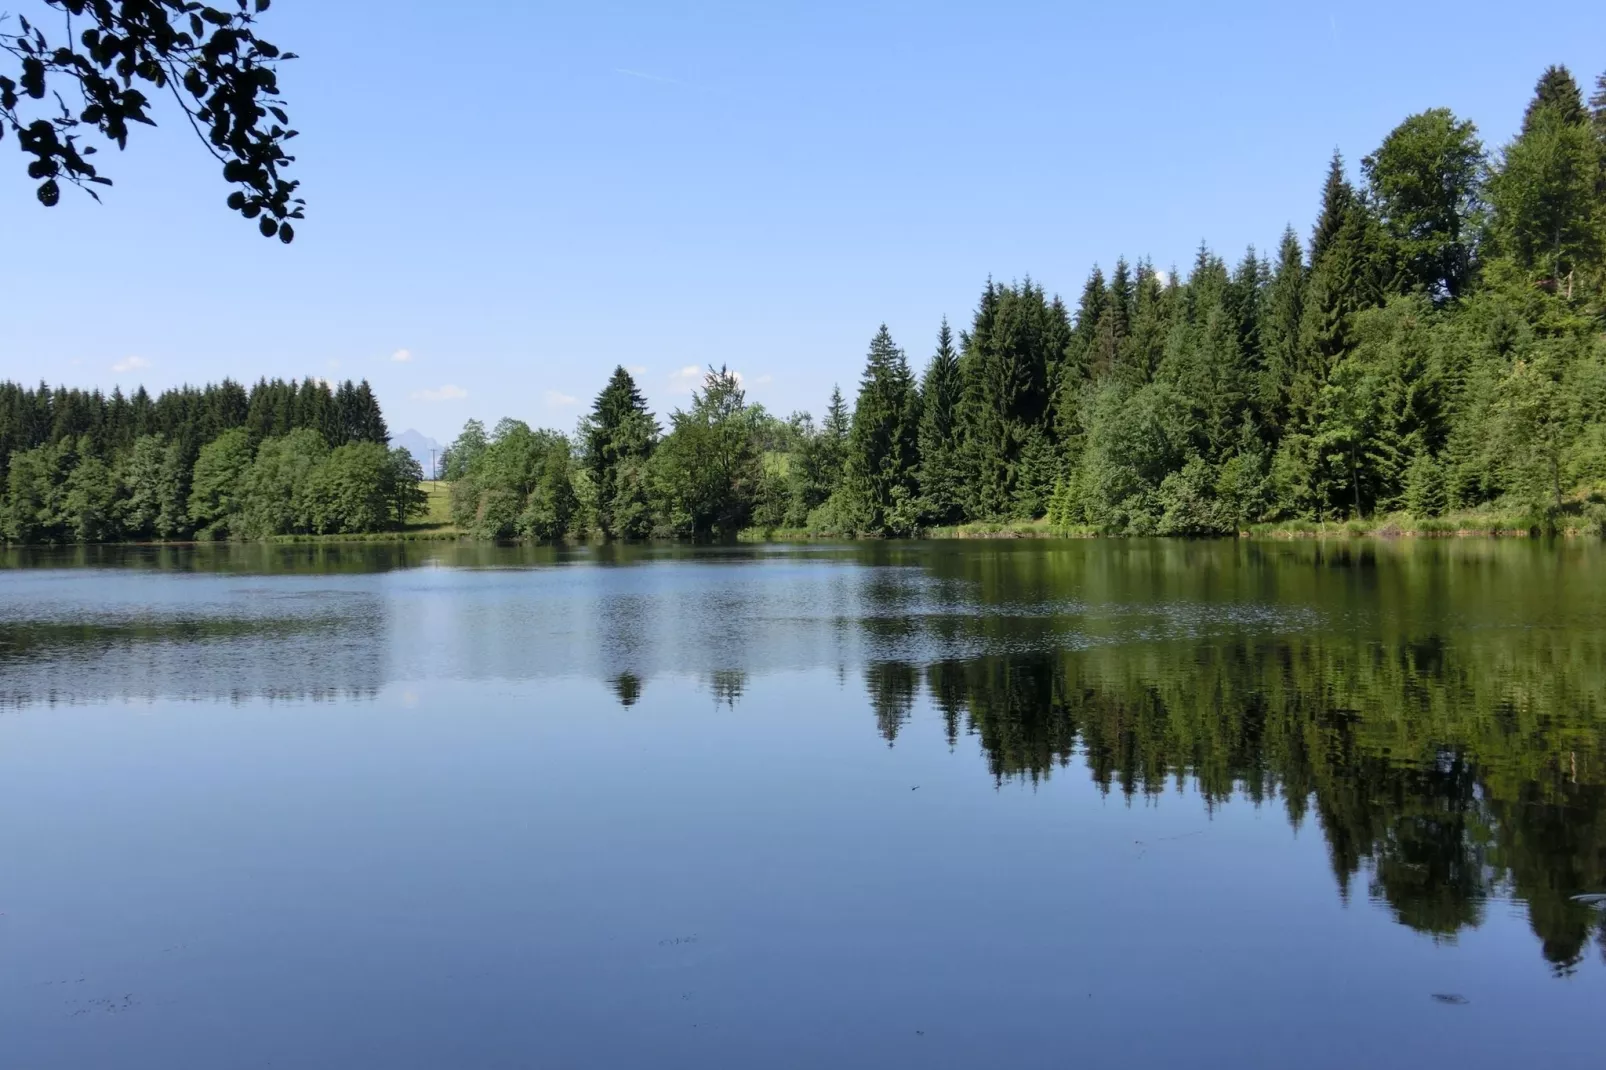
(1435, 347)
(210, 463)
(1436, 351)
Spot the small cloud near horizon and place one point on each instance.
(559, 400)
(691, 377)
(131, 364)
(402, 356)
(449, 392)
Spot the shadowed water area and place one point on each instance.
(941, 804)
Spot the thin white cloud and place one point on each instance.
(761, 380)
(692, 376)
(402, 356)
(647, 77)
(686, 379)
(636, 369)
(131, 364)
(441, 393)
(560, 400)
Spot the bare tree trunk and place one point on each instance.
(1355, 480)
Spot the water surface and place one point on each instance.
(942, 804)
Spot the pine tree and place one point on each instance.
(882, 454)
(618, 436)
(1006, 416)
(1546, 193)
(1424, 487)
(1144, 346)
(941, 477)
(1081, 354)
(1113, 323)
(1343, 274)
(1338, 197)
(1558, 91)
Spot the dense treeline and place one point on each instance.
(1435, 346)
(214, 462)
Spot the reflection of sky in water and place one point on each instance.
(875, 806)
(71, 635)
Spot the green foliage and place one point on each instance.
(217, 484)
(1425, 182)
(519, 484)
(275, 491)
(706, 473)
(403, 482)
(1437, 348)
(352, 490)
(463, 451)
(198, 462)
(1011, 359)
(879, 476)
(209, 60)
(618, 439)
(1424, 487)
(941, 475)
(1549, 212)
(152, 480)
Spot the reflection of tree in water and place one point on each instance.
(627, 688)
(892, 686)
(727, 686)
(1444, 775)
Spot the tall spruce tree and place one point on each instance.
(941, 474)
(1283, 397)
(1558, 91)
(1144, 346)
(1081, 353)
(882, 454)
(618, 438)
(1343, 272)
(1546, 192)
(1010, 352)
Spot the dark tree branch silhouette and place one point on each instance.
(223, 77)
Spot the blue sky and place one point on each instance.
(506, 199)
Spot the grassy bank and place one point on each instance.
(1578, 520)
(435, 525)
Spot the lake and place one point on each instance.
(951, 804)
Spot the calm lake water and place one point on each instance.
(942, 805)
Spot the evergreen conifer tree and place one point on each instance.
(1549, 217)
(618, 437)
(879, 474)
(941, 477)
(1144, 346)
(1558, 91)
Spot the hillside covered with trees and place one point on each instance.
(1436, 345)
(217, 462)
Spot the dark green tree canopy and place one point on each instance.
(617, 438)
(1425, 183)
(92, 70)
(1557, 90)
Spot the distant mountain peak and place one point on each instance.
(420, 446)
